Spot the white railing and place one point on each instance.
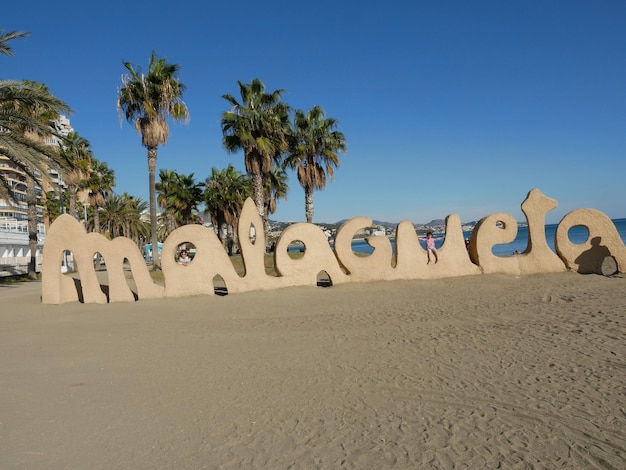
(11, 225)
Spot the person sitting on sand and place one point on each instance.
(430, 245)
(184, 258)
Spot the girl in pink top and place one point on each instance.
(430, 245)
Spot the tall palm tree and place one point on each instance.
(259, 126)
(147, 100)
(314, 152)
(77, 157)
(100, 184)
(224, 195)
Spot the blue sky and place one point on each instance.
(448, 107)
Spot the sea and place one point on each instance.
(577, 234)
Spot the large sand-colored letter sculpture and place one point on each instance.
(538, 257)
(602, 241)
(340, 264)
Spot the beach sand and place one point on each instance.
(487, 371)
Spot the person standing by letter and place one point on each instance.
(430, 245)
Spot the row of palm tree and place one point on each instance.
(84, 175)
(259, 125)
(223, 194)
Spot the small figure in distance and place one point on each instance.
(517, 252)
(430, 245)
(183, 258)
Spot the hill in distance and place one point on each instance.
(435, 223)
(432, 223)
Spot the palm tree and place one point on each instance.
(52, 205)
(26, 109)
(275, 187)
(5, 49)
(259, 126)
(121, 217)
(18, 100)
(113, 213)
(77, 156)
(164, 188)
(147, 100)
(136, 228)
(99, 186)
(314, 152)
(224, 195)
(179, 196)
(187, 196)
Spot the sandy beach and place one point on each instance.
(488, 371)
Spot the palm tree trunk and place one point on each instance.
(152, 160)
(171, 221)
(308, 205)
(259, 200)
(31, 201)
(224, 234)
(96, 219)
(235, 234)
(230, 239)
(266, 220)
(72, 191)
